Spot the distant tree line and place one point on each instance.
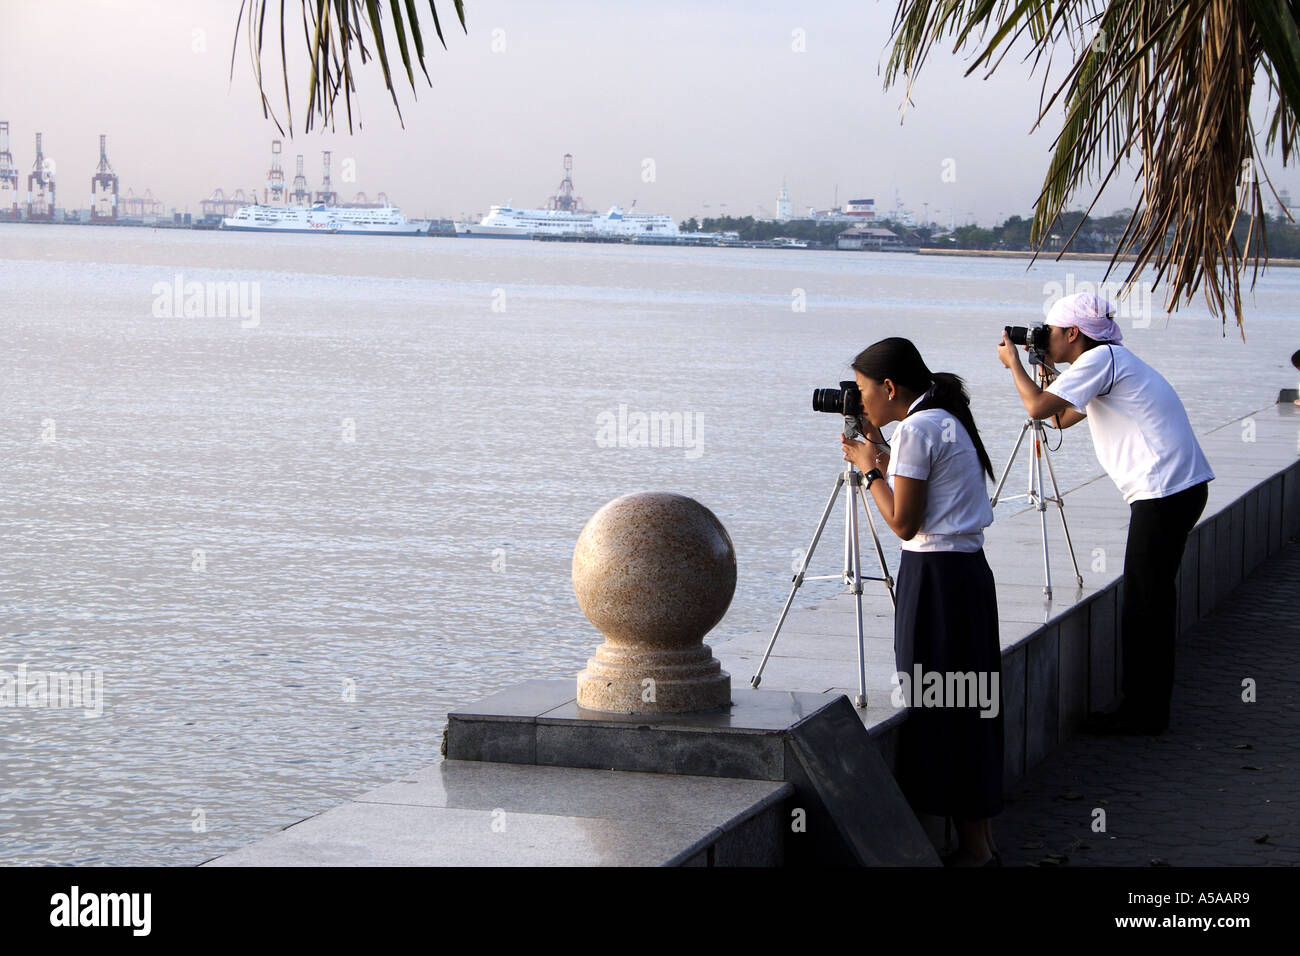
(1099, 234)
(758, 230)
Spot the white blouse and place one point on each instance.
(934, 446)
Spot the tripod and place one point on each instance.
(1034, 495)
(852, 575)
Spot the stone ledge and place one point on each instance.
(459, 813)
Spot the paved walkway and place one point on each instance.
(1220, 788)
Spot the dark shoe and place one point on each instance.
(1122, 722)
(995, 859)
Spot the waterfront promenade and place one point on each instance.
(1220, 788)
(1191, 797)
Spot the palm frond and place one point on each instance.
(1172, 80)
(335, 32)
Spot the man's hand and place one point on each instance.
(1007, 353)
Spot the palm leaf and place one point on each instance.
(333, 32)
(1171, 80)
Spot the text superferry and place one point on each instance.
(379, 221)
(505, 222)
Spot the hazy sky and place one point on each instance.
(713, 93)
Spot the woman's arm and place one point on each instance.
(903, 506)
(877, 446)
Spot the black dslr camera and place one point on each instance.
(845, 400)
(1035, 336)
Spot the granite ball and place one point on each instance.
(654, 568)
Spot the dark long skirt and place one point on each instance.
(949, 756)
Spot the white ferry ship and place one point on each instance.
(378, 221)
(505, 222)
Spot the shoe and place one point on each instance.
(994, 860)
(1121, 722)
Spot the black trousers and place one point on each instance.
(1157, 536)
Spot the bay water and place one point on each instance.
(292, 532)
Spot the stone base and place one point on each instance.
(636, 680)
(847, 806)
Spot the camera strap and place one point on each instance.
(927, 401)
(1112, 371)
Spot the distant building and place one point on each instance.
(783, 205)
(867, 237)
(855, 210)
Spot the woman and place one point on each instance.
(935, 499)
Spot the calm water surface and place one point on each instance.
(291, 547)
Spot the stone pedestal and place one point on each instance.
(654, 572)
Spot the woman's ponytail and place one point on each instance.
(898, 359)
(950, 395)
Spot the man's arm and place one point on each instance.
(1069, 417)
(1040, 403)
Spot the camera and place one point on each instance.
(845, 400)
(1035, 336)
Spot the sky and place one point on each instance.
(686, 108)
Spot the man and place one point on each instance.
(1145, 443)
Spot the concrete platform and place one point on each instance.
(1059, 662)
(1220, 788)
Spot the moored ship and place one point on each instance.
(339, 220)
(565, 218)
(506, 222)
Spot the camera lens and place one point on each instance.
(828, 400)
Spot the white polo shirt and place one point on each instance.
(933, 446)
(1139, 426)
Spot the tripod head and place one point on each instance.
(1044, 371)
(852, 428)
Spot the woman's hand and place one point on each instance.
(860, 453)
(869, 431)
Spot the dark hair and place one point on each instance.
(897, 359)
(1295, 359)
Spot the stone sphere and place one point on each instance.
(654, 569)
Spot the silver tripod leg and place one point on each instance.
(856, 585)
(798, 579)
(997, 492)
(1036, 497)
(880, 552)
(1060, 505)
(851, 575)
